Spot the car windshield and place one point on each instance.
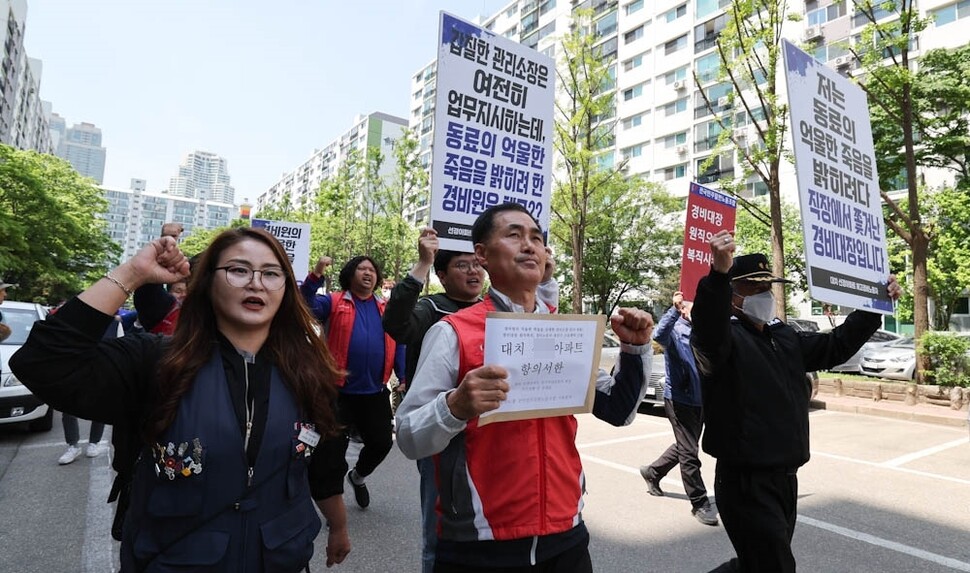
(904, 343)
(20, 322)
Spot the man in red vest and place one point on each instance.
(355, 335)
(510, 494)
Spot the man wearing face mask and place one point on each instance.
(756, 399)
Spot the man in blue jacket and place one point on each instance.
(682, 403)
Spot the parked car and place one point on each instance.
(878, 339)
(896, 360)
(17, 404)
(658, 370)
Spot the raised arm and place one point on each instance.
(618, 396)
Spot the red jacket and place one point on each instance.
(341, 324)
(524, 477)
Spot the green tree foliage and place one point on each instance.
(884, 49)
(949, 364)
(53, 237)
(944, 212)
(749, 49)
(359, 210)
(754, 236)
(584, 184)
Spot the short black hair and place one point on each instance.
(485, 222)
(347, 273)
(444, 257)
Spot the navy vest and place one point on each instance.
(212, 520)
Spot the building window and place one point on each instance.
(633, 35)
(675, 172)
(675, 107)
(675, 45)
(676, 75)
(708, 67)
(634, 92)
(826, 14)
(632, 151)
(632, 121)
(632, 7)
(678, 12)
(951, 13)
(675, 139)
(634, 62)
(704, 7)
(606, 25)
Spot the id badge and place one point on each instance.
(308, 436)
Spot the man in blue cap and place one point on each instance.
(756, 399)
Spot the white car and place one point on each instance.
(17, 404)
(896, 360)
(658, 369)
(878, 339)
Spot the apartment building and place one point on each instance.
(204, 176)
(23, 116)
(80, 145)
(135, 216)
(664, 129)
(376, 130)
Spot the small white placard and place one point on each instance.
(552, 361)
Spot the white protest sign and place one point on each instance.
(295, 238)
(838, 187)
(493, 129)
(552, 359)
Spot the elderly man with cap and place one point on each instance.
(756, 399)
(4, 329)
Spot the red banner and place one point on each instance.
(708, 212)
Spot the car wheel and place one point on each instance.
(42, 424)
(812, 383)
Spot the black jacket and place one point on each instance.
(66, 364)
(408, 318)
(755, 391)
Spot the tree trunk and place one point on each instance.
(577, 247)
(777, 239)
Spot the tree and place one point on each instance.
(749, 50)
(584, 183)
(53, 235)
(899, 133)
(410, 182)
(635, 242)
(754, 236)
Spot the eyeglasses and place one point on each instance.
(240, 276)
(465, 266)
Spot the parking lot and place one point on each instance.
(879, 495)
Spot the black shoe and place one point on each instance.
(653, 484)
(361, 495)
(705, 514)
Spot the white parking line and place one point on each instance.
(830, 527)
(98, 548)
(895, 462)
(893, 468)
(624, 440)
(886, 544)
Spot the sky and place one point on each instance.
(260, 83)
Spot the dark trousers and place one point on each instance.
(758, 510)
(687, 422)
(72, 431)
(370, 414)
(574, 560)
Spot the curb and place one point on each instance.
(959, 421)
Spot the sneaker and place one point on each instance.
(361, 495)
(95, 450)
(653, 483)
(705, 514)
(72, 453)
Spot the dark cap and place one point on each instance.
(753, 267)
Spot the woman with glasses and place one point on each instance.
(229, 409)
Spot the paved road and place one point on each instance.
(878, 496)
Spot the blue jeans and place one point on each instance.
(429, 497)
(72, 432)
